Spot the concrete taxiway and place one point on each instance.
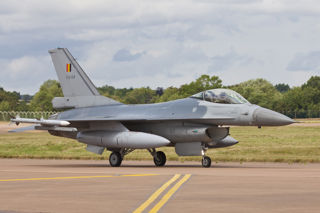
(136, 186)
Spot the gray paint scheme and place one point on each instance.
(77, 88)
(192, 124)
(82, 86)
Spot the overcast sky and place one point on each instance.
(160, 43)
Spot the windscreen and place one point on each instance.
(224, 96)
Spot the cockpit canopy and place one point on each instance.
(223, 96)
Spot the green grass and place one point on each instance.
(269, 144)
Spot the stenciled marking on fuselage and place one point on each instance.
(68, 77)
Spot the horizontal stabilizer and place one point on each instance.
(81, 101)
(56, 128)
(22, 129)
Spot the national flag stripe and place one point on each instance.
(68, 67)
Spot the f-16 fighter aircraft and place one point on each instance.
(191, 125)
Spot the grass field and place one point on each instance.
(269, 144)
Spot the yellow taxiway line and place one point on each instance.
(166, 197)
(156, 194)
(77, 177)
(169, 194)
(143, 206)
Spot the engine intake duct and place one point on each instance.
(227, 141)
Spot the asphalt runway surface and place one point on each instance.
(28, 185)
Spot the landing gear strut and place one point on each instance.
(206, 161)
(159, 158)
(116, 157)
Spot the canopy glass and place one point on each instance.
(223, 96)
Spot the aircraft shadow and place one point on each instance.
(213, 166)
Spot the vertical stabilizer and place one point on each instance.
(77, 88)
(73, 79)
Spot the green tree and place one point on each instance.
(313, 82)
(204, 82)
(116, 94)
(140, 96)
(303, 101)
(260, 92)
(171, 93)
(5, 106)
(10, 101)
(282, 87)
(41, 101)
(107, 90)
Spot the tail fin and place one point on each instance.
(73, 80)
(77, 88)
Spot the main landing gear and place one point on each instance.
(159, 158)
(116, 157)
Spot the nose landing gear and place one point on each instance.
(206, 161)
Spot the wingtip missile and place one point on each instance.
(42, 121)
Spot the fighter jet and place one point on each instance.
(191, 125)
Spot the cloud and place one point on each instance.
(159, 43)
(305, 62)
(164, 60)
(26, 72)
(126, 55)
(224, 62)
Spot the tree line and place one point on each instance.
(301, 101)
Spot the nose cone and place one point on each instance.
(266, 117)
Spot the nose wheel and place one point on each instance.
(206, 161)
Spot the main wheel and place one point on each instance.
(160, 159)
(206, 161)
(115, 159)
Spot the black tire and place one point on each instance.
(206, 161)
(160, 159)
(115, 159)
